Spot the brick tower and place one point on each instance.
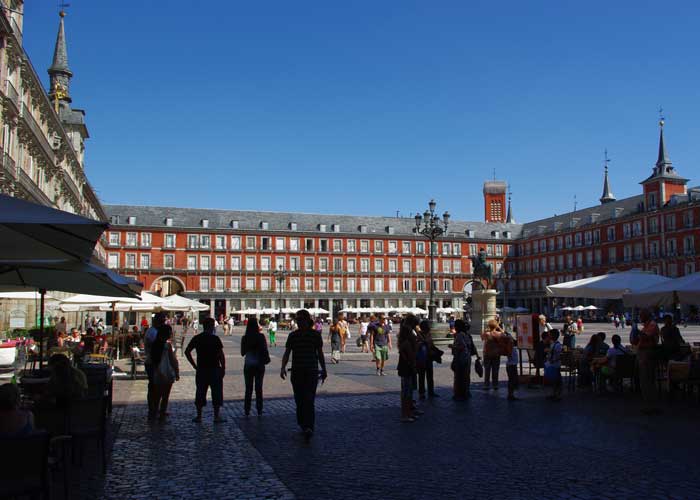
(495, 201)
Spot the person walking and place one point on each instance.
(335, 338)
(512, 367)
(344, 330)
(271, 331)
(462, 351)
(148, 339)
(380, 343)
(364, 325)
(210, 369)
(569, 331)
(166, 372)
(255, 352)
(305, 345)
(407, 340)
(424, 361)
(646, 341)
(492, 353)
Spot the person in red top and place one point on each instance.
(144, 324)
(646, 340)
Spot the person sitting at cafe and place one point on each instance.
(603, 347)
(590, 352)
(608, 364)
(75, 336)
(671, 340)
(66, 383)
(14, 422)
(61, 340)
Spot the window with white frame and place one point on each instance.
(265, 284)
(406, 265)
(457, 266)
(308, 285)
(393, 266)
(309, 264)
(293, 284)
(219, 283)
(352, 246)
(378, 246)
(265, 263)
(204, 262)
(406, 285)
(294, 263)
(309, 244)
(671, 222)
(337, 285)
(235, 284)
(235, 263)
(113, 261)
(364, 265)
(579, 259)
(499, 250)
(627, 253)
(612, 255)
(115, 238)
(220, 262)
(279, 263)
(626, 230)
(671, 247)
(337, 264)
(337, 246)
(351, 285)
(637, 228)
(611, 233)
(378, 265)
(205, 241)
(220, 242)
(131, 239)
(323, 245)
(406, 247)
(130, 261)
(191, 262)
(204, 284)
(393, 247)
(323, 285)
(446, 266)
(235, 242)
(364, 246)
(250, 263)
(265, 243)
(351, 265)
(293, 244)
(279, 243)
(250, 283)
(169, 240)
(168, 261)
(420, 265)
(192, 241)
(364, 285)
(446, 249)
(378, 285)
(250, 242)
(456, 249)
(323, 264)
(393, 285)
(420, 286)
(447, 286)
(689, 245)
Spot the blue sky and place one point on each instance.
(369, 107)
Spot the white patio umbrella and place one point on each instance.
(87, 302)
(289, 310)
(684, 290)
(606, 286)
(317, 310)
(24, 296)
(578, 308)
(180, 303)
(591, 308)
(30, 232)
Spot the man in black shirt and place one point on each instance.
(210, 368)
(307, 346)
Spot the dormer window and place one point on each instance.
(362, 229)
(169, 221)
(234, 224)
(292, 226)
(114, 219)
(335, 228)
(131, 220)
(390, 229)
(470, 233)
(495, 234)
(507, 234)
(264, 225)
(205, 222)
(322, 228)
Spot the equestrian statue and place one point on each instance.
(482, 270)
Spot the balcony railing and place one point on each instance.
(9, 165)
(38, 132)
(16, 29)
(71, 185)
(13, 96)
(30, 186)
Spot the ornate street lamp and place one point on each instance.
(281, 276)
(430, 226)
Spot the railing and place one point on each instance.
(13, 95)
(9, 165)
(71, 185)
(38, 132)
(30, 186)
(15, 28)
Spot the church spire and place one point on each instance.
(59, 72)
(607, 193)
(509, 216)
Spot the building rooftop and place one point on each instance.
(193, 218)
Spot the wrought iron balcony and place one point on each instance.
(38, 132)
(71, 185)
(9, 166)
(12, 97)
(30, 187)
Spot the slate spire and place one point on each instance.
(509, 217)
(59, 72)
(663, 162)
(607, 193)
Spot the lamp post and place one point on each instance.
(430, 226)
(281, 276)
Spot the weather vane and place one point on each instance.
(607, 160)
(62, 8)
(661, 116)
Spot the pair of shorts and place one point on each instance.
(381, 352)
(363, 338)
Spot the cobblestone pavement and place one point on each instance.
(587, 446)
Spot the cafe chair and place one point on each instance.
(24, 466)
(87, 422)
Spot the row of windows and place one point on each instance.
(350, 285)
(629, 253)
(588, 238)
(283, 243)
(252, 263)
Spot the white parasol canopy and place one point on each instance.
(606, 286)
(591, 308)
(24, 296)
(684, 290)
(145, 302)
(180, 303)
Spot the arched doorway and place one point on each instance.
(167, 285)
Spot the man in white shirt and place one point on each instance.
(272, 331)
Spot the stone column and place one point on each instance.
(483, 309)
(330, 307)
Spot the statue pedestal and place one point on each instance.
(483, 309)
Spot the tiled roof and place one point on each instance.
(280, 221)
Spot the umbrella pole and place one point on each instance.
(114, 305)
(42, 292)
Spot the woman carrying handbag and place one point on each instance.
(167, 371)
(254, 349)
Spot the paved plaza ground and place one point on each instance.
(587, 446)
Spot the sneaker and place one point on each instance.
(417, 412)
(381, 372)
(407, 420)
(378, 373)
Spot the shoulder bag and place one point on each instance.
(165, 373)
